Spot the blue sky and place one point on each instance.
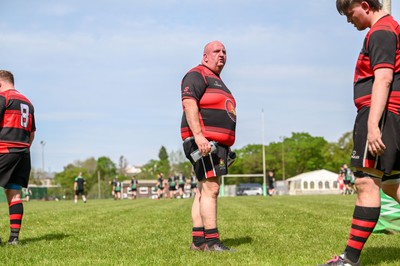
(104, 75)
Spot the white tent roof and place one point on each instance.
(322, 175)
(133, 170)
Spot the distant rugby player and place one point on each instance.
(79, 187)
(134, 186)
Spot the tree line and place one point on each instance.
(291, 156)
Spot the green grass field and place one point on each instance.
(284, 230)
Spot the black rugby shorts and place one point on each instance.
(212, 165)
(390, 129)
(15, 169)
(79, 192)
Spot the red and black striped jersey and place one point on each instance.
(17, 121)
(381, 49)
(217, 106)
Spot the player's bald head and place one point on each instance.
(210, 46)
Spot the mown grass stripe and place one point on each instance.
(284, 230)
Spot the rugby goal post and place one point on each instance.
(387, 6)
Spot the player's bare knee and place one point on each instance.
(366, 185)
(211, 192)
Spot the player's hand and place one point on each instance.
(375, 144)
(203, 145)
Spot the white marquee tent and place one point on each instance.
(133, 170)
(315, 182)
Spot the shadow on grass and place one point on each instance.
(234, 242)
(47, 237)
(379, 255)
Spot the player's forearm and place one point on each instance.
(379, 97)
(192, 116)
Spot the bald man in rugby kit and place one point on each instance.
(208, 121)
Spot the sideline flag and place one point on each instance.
(389, 220)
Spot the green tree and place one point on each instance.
(163, 165)
(179, 163)
(106, 167)
(248, 161)
(297, 154)
(185, 168)
(107, 170)
(304, 153)
(149, 170)
(177, 157)
(338, 153)
(66, 179)
(122, 164)
(88, 164)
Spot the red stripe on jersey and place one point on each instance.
(17, 95)
(220, 130)
(363, 101)
(394, 102)
(383, 65)
(362, 72)
(5, 146)
(186, 133)
(219, 91)
(362, 223)
(223, 136)
(216, 101)
(205, 72)
(392, 106)
(13, 119)
(189, 97)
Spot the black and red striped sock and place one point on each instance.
(198, 236)
(364, 221)
(16, 211)
(212, 236)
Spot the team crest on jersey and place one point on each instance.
(230, 109)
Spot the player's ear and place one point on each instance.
(365, 6)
